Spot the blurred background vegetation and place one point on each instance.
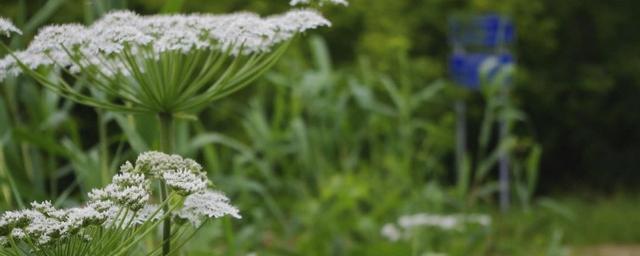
(355, 127)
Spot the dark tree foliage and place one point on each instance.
(578, 75)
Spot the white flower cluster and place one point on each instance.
(43, 223)
(129, 190)
(6, 28)
(184, 181)
(111, 42)
(123, 204)
(184, 176)
(407, 223)
(208, 204)
(321, 2)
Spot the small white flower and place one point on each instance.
(298, 2)
(129, 190)
(111, 39)
(81, 217)
(391, 232)
(184, 181)
(126, 179)
(47, 226)
(446, 222)
(18, 233)
(321, 2)
(15, 219)
(209, 204)
(8, 68)
(118, 18)
(297, 21)
(7, 27)
(409, 223)
(480, 219)
(48, 210)
(127, 167)
(156, 163)
(53, 44)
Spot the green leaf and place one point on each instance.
(41, 140)
(216, 138)
(136, 141)
(365, 98)
(488, 163)
(5, 123)
(43, 15)
(321, 55)
(533, 168)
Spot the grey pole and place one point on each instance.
(461, 136)
(504, 159)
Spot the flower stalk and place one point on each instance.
(166, 145)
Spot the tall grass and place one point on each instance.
(333, 153)
(39, 128)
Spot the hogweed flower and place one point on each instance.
(156, 163)
(159, 63)
(127, 189)
(206, 204)
(7, 28)
(184, 181)
(119, 214)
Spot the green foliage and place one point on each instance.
(376, 150)
(333, 144)
(599, 220)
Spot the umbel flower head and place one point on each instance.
(124, 207)
(157, 63)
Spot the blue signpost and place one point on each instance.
(476, 40)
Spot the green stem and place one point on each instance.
(166, 146)
(104, 148)
(4, 187)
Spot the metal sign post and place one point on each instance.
(475, 40)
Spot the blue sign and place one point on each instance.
(475, 40)
(465, 67)
(486, 31)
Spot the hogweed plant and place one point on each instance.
(120, 215)
(165, 65)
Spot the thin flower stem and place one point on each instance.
(184, 241)
(166, 146)
(145, 230)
